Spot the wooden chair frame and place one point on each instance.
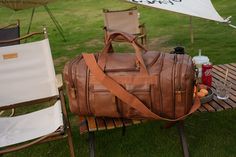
(64, 132)
(142, 35)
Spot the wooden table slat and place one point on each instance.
(118, 122)
(231, 78)
(136, 121)
(208, 107)
(202, 109)
(109, 123)
(233, 64)
(231, 72)
(230, 67)
(216, 106)
(91, 123)
(226, 66)
(222, 103)
(100, 124)
(127, 122)
(221, 70)
(233, 96)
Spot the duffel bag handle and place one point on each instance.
(116, 89)
(128, 38)
(113, 34)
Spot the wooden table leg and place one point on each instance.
(91, 144)
(183, 140)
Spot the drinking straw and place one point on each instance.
(226, 75)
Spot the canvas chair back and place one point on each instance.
(122, 20)
(27, 73)
(9, 32)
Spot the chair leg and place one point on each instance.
(70, 143)
(68, 127)
(183, 140)
(91, 144)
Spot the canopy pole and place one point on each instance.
(56, 23)
(191, 29)
(31, 19)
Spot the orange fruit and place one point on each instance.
(200, 94)
(204, 91)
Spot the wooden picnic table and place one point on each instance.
(90, 124)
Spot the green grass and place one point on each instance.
(208, 134)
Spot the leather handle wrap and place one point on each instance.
(124, 95)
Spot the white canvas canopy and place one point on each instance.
(198, 8)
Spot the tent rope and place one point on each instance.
(58, 26)
(228, 21)
(31, 19)
(233, 26)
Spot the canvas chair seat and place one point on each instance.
(26, 127)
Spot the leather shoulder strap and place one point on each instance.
(123, 94)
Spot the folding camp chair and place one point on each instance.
(11, 31)
(28, 80)
(125, 21)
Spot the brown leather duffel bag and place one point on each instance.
(144, 84)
